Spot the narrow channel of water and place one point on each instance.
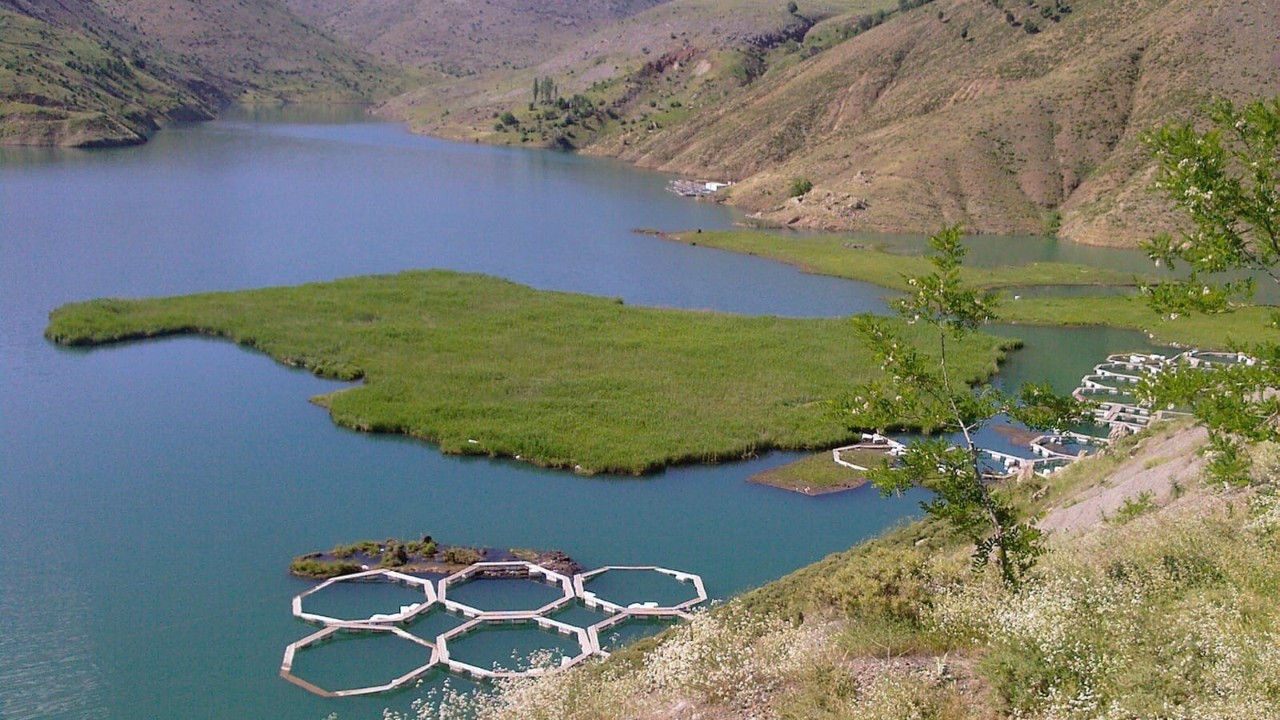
(152, 495)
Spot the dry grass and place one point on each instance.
(1170, 615)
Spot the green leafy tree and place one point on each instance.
(799, 186)
(1224, 180)
(547, 90)
(919, 390)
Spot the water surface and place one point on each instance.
(151, 495)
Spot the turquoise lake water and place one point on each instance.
(151, 495)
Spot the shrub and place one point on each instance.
(322, 568)
(395, 555)
(461, 556)
(799, 186)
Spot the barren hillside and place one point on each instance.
(953, 113)
(464, 38)
(1008, 117)
(108, 72)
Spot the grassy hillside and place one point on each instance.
(461, 39)
(1162, 607)
(622, 67)
(1008, 117)
(63, 86)
(262, 48)
(484, 366)
(107, 72)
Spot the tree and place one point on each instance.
(547, 90)
(799, 186)
(920, 391)
(793, 8)
(1224, 180)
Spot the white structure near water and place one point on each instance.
(437, 595)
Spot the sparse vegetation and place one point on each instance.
(1132, 507)
(1168, 615)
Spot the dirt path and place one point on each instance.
(1157, 466)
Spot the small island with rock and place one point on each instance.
(424, 555)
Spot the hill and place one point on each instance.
(615, 64)
(1154, 600)
(108, 72)
(462, 38)
(1007, 117)
(61, 85)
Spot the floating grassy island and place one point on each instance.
(481, 365)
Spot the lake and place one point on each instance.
(152, 495)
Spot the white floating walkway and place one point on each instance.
(588, 639)
(870, 441)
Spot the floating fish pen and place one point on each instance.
(1110, 384)
(436, 595)
(871, 442)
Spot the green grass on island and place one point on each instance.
(1245, 324)
(819, 474)
(480, 365)
(832, 255)
(835, 255)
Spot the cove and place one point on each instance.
(152, 495)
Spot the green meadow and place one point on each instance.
(817, 474)
(481, 365)
(832, 255)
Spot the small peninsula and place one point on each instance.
(812, 475)
(833, 255)
(484, 366)
(423, 555)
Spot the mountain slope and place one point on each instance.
(65, 86)
(953, 114)
(612, 64)
(464, 38)
(108, 72)
(261, 47)
(1008, 117)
